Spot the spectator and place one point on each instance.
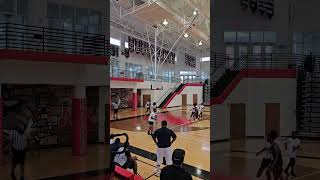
(175, 171)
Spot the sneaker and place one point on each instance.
(158, 173)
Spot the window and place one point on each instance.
(256, 37)
(67, 13)
(243, 37)
(230, 37)
(82, 16)
(230, 51)
(270, 37)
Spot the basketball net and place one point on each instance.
(159, 34)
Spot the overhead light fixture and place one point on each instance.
(200, 43)
(195, 12)
(186, 35)
(165, 22)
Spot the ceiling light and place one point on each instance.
(195, 12)
(200, 43)
(186, 35)
(165, 22)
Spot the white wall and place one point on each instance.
(28, 72)
(255, 92)
(189, 90)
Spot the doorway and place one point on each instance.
(184, 99)
(237, 126)
(145, 99)
(272, 117)
(195, 98)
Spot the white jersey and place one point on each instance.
(121, 159)
(194, 109)
(116, 105)
(152, 117)
(148, 104)
(267, 152)
(291, 145)
(200, 108)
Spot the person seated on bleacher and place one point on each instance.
(126, 161)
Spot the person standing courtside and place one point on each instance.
(148, 106)
(164, 138)
(19, 142)
(175, 171)
(152, 120)
(116, 109)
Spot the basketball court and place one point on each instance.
(174, 78)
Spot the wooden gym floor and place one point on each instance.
(192, 137)
(242, 162)
(59, 164)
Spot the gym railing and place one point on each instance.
(221, 63)
(26, 37)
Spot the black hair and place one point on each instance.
(164, 123)
(273, 134)
(128, 154)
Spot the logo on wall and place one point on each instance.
(265, 7)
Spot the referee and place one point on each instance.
(164, 138)
(19, 141)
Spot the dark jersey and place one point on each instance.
(164, 135)
(175, 173)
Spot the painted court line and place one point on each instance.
(317, 172)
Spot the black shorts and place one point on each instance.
(265, 163)
(116, 110)
(18, 157)
(150, 123)
(129, 164)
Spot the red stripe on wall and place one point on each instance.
(180, 91)
(7, 54)
(126, 79)
(253, 73)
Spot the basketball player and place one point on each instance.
(276, 165)
(194, 111)
(153, 106)
(266, 159)
(151, 120)
(200, 109)
(164, 138)
(116, 110)
(292, 145)
(148, 106)
(126, 161)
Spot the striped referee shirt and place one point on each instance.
(19, 141)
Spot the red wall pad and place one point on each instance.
(79, 127)
(135, 101)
